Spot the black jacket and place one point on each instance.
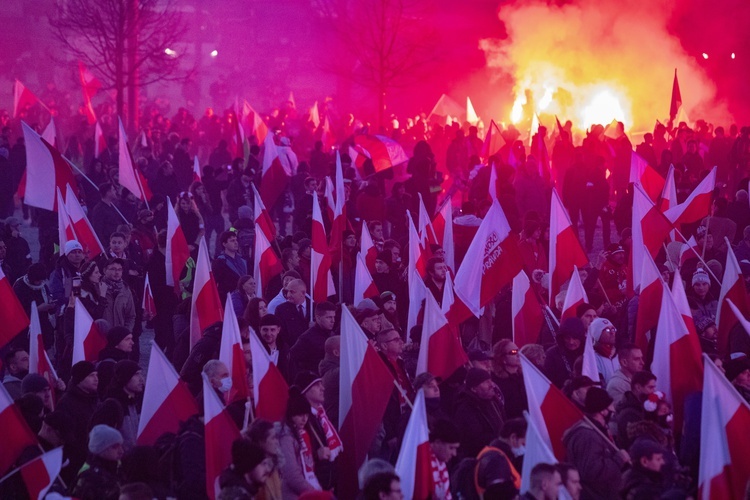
(98, 481)
(79, 406)
(308, 351)
(479, 421)
(642, 484)
(293, 324)
(629, 410)
(558, 366)
(206, 349)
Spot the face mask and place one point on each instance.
(519, 452)
(226, 384)
(562, 493)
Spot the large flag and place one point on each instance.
(205, 308)
(724, 463)
(129, 176)
(491, 262)
(88, 340)
(46, 172)
(649, 302)
(575, 296)
(565, 250)
(440, 351)
(493, 141)
(178, 252)
(650, 228)
(82, 228)
(414, 459)
(39, 474)
(384, 152)
(526, 311)
(22, 97)
(39, 361)
(321, 280)
(270, 390)
(231, 354)
(689, 250)
(442, 224)
(366, 386)
(364, 286)
(263, 220)
(276, 174)
(681, 301)
(537, 452)
(644, 174)
(12, 314)
(551, 411)
(697, 205)
(16, 435)
(676, 102)
(367, 247)
(732, 288)
(220, 433)
(266, 265)
(90, 85)
(166, 400)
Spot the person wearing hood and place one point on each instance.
(119, 344)
(561, 358)
(127, 388)
(603, 335)
(478, 411)
(98, 478)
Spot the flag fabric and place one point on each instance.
(471, 115)
(49, 134)
(645, 175)
(681, 301)
(263, 220)
(315, 115)
(220, 433)
(426, 232)
(565, 250)
(205, 309)
(384, 152)
(65, 231)
(12, 314)
(732, 288)
(413, 465)
(724, 464)
(231, 354)
(492, 186)
(90, 86)
(676, 102)
(39, 361)
(493, 141)
(526, 311)
(440, 351)
(326, 135)
(167, 401)
(416, 269)
(275, 174)
(197, 169)
(442, 224)
(364, 285)
(650, 229)
(82, 228)
(266, 264)
(100, 142)
(366, 386)
(321, 280)
(552, 412)
(697, 205)
(46, 172)
(740, 317)
(178, 252)
(649, 302)
(148, 304)
(39, 474)
(88, 340)
(257, 127)
(588, 367)
(239, 133)
(16, 435)
(689, 250)
(129, 176)
(270, 390)
(575, 296)
(329, 200)
(367, 248)
(338, 221)
(22, 97)
(668, 198)
(537, 452)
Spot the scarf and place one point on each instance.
(40, 288)
(306, 456)
(333, 442)
(115, 286)
(441, 489)
(608, 351)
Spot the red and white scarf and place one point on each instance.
(333, 442)
(308, 461)
(440, 479)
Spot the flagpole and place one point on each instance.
(708, 269)
(403, 393)
(599, 281)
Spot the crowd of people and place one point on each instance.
(477, 431)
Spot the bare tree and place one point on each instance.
(128, 43)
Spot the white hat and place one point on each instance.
(72, 245)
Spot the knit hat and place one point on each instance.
(304, 380)
(124, 371)
(582, 308)
(80, 371)
(116, 334)
(734, 367)
(33, 382)
(71, 245)
(479, 355)
(366, 313)
(102, 437)
(368, 304)
(476, 376)
(701, 276)
(581, 382)
(703, 323)
(573, 327)
(386, 257)
(597, 400)
(246, 455)
(597, 327)
(297, 404)
(386, 296)
(644, 448)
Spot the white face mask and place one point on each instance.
(226, 384)
(520, 451)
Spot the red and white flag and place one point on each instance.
(39, 474)
(366, 385)
(575, 296)
(493, 141)
(88, 340)
(100, 142)
(367, 248)
(440, 351)
(270, 390)
(681, 301)
(315, 115)
(364, 286)
(725, 417)
(13, 317)
(83, 229)
(697, 205)
(358, 155)
(326, 135)
(384, 152)
(148, 304)
(330, 199)
(644, 174)
(263, 220)
(668, 198)
(266, 265)
(492, 185)
(417, 254)
(321, 280)
(732, 288)
(178, 252)
(537, 452)
(16, 435)
(90, 85)
(414, 465)
(49, 134)
(256, 126)
(167, 401)
(65, 231)
(650, 229)
(197, 169)
(649, 302)
(565, 250)
(276, 174)
(526, 311)
(415, 271)
(231, 354)
(442, 224)
(205, 308)
(740, 317)
(220, 432)
(338, 221)
(22, 97)
(689, 250)
(588, 366)
(552, 412)
(129, 176)
(426, 232)
(46, 172)
(39, 361)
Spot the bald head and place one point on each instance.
(333, 346)
(295, 292)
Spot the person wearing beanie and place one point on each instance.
(478, 411)
(79, 403)
(445, 439)
(738, 373)
(33, 383)
(603, 335)
(249, 470)
(428, 383)
(614, 275)
(702, 301)
(600, 464)
(386, 275)
(587, 313)
(119, 344)
(561, 358)
(309, 350)
(296, 443)
(389, 306)
(645, 478)
(98, 477)
(127, 388)
(708, 334)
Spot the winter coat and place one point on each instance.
(514, 394)
(617, 386)
(120, 309)
(558, 366)
(596, 460)
(97, 481)
(131, 408)
(629, 410)
(28, 293)
(294, 482)
(206, 349)
(227, 272)
(642, 484)
(309, 350)
(479, 421)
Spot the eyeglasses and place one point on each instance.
(395, 339)
(610, 329)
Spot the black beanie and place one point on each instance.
(80, 371)
(297, 404)
(124, 371)
(246, 455)
(116, 335)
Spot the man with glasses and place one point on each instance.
(391, 346)
(603, 334)
(506, 373)
(120, 309)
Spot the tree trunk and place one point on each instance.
(133, 83)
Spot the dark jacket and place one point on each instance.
(105, 219)
(642, 484)
(558, 367)
(227, 273)
(206, 349)
(28, 293)
(596, 460)
(514, 394)
(97, 481)
(329, 369)
(479, 421)
(309, 350)
(79, 406)
(628, 411)
(293, 324)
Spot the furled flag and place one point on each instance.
(256, 127)
(442, 224)
(205, 307)
(220, 432)
(537, 452)
(689, 250)
(414, 465)
(266, 264)
(100, 142)
(276, 174)
(440, 351)
(167, 401)
(338, 221)
(263, 219)
(364, 286)
(12, 315)
(733, 288)
(39, 474)
(321, 280)
(526, 311)
(88, 340)
(697, 205)
(231, 354)
(148, 304)
(367, 247)
(130, 177)
(384, 152)
(575, 296)
(22, 98)
(565, 250)
(676, 102)
(650, 229)
(552, 412)
(493, 141)
(491, 262)
(644, 174)
(90, 85)
(46, 172)
(82, 228)
(315, 115)
(366, 385)
(725, 417)
(649, 302)
(39, 361)
(270, 390)
(65, 231)
(178, 252)
(588, 367)
(196, 169)
(16, 435)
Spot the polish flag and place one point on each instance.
(88, 341)
(366, 385)
(575, 296)
(148, 304)
(427, 235)
(276, 174)
(650, 228)
(39, 474)
(526, 311)
(417, 254)
(698, 204)
(733, 288)
(551, 411)
(668, 198)
(414, 464)
(91, 86)
(22, 97)
(49, 134)
(205, 308)
(100, 142)
(491, 262)
(267, 264)
(367, 248)
(384, 151)
(679, 371)
(724, 463)
(588, 367)
(84, 231)
(415, 271)
(493, 141)
(321, 280)
(689, 250)
(364, 286)
(231, 354)
(263, 219)
(440, 351)
(39, 361)
(167, 401)
(197, 169)
(339, 223)
(358, 155)
(442, 224)
(12, 315)
(65, 231)
(649, 302)
(178, 252)
(492, 186)
(538, 451)
(270, 390)
(220, 432)
(239, 134)
(565, 250)
(644, 174)
(256, 127)
(330, 200)
(46, 172)
(16, 435)
(129, 176)
(681, 301)
(326, 135)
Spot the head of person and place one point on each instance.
(218, 375)
(311, 386)
(297, 409)
(229, 243)
(383, 486)
(74, 253)
(17, 362)
(505, 357)
(256, 309)
(480, 359)
(599, 405)
(117, 243)
(383, 262)
(643, 384)
(295, 292)
(429, 384)
(106, 443)
(304, 248)
(332, 347)
(370, 320)
(388, 302)
(572, 334)
(290, 259)
(445, 439)
(108, 192)
(113, 270)
(603, 335)
(571, 480)
(325, 315)
(251, 461)
(247, 285)
(84, 377)
(437, 269)
(545, 481)
(701, 283)
(136, 491)
(479, 383)
(513, 433)
(120, 338)
(129, 377)
(270, 327)
(264, 434)
(587, 313)
(631, 359)
(738, 372)
(535, 353)
(394, 248)
(648, 455)
(390, 343)
(616, 254)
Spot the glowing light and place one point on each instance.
(732, 55)
(546, 99)
(602, 109)
(214, 53)
(170, 52)
(705, 56)
(516, 113)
